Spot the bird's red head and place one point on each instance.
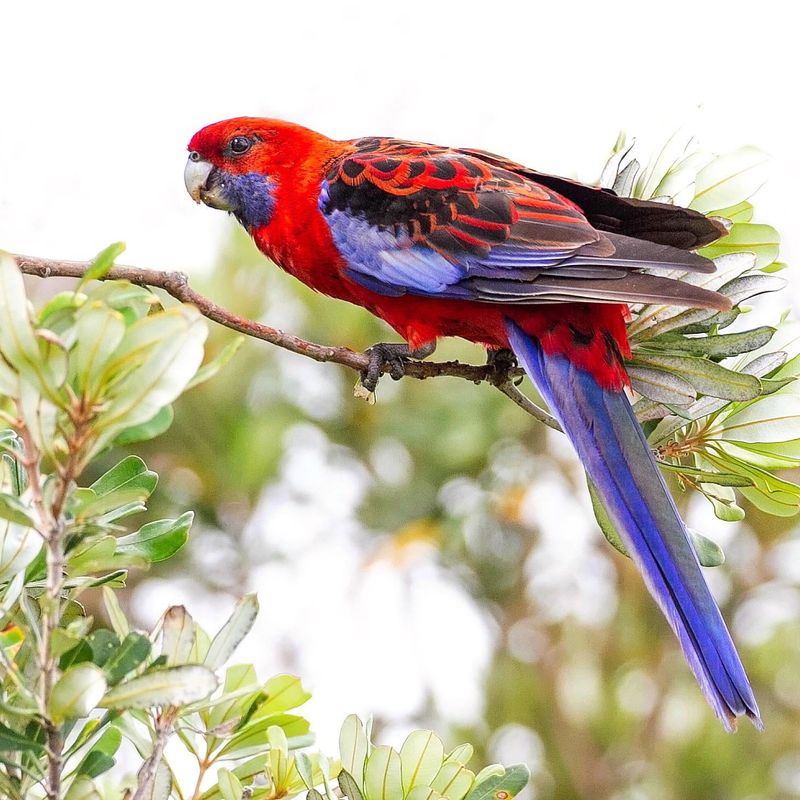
(237, 164)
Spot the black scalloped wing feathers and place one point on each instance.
(661, 223)
(417, 218)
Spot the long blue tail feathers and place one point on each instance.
(616, 456)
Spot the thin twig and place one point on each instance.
(176, 284)
(50, 530)
(526, 404)
(51, 525)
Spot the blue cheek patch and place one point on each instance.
(251, 197)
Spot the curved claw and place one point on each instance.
(389, 357)
(503, 362)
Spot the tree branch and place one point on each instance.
(176, 284)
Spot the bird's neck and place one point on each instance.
(297, 238)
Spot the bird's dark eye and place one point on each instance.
(240, 144)
(194, 156)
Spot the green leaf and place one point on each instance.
(115, 613)
(103, 644)
(133, 302)
(678, 184)
(254, 735)
(770, 493)
(707, 476)
(775, 418)
(284, 692)
(513, 781)
(730, 179)
(709, 553)
(348, 786)
(717, 346)
(425, 793)
(156, 541)
(382, 774)
(58, 313)
(607, 527)
(747, 237)
(453, 780)
(127, 481)
(716, 322)
(705, 376)
(97, 554)
(155, 426)
(100, 758)
(421, 758)
(746, 286)
(77, 655)
(14, 510)
(660, 385)
(19, 547)
(233, 631)
(723, 500)
(83, 788)
(11, 740)
(173, 686)
(18, 343)
(102, 263)
(741, 212)
(278, 755)
(11, 636)
(99, 331)
(230, 786)
(76, 693)
(305, 769)
(177, 635)
(131, 653)
(162, 786)
(208, 371)
(490, 771)
(353, 747)
(95, 763)
(461, 754)
(157, 358)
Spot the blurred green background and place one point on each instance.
(432, 559)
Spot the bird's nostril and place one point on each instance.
(194, 156)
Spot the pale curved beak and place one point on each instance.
(204, 183)
(195, 176)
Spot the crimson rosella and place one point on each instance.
(448, 242)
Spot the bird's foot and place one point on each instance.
(390, 357)
(503, 362)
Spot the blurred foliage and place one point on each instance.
(92, 368)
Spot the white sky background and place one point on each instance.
(98, 101)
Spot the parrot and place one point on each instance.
(449, 242)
